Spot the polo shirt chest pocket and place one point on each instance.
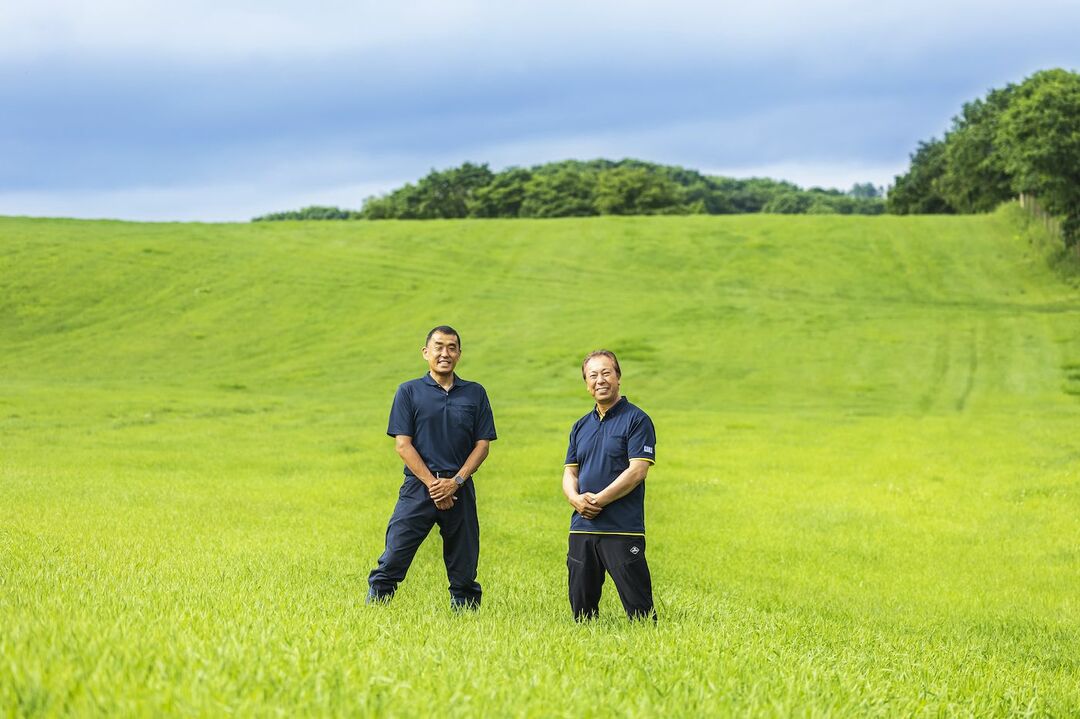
(463, 414)
(615, 446)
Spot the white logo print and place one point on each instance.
(648, 448)
(634, 550)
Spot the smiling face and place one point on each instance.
(602, 380)
(442, 353)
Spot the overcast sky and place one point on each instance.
(225, 109)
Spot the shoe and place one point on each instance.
(463, 605)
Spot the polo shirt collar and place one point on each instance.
(613, 409)
(428, 379)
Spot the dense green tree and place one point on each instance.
(1019, 139)
(974, 177)
(702, 197)
(754, 194)
(564, 192)
(503, 196)
(401, 204)
(446, 194)
(314, 212)
(439, 194)
(826, 203)
(637, 191)
(789, 203)
(1039, 135)
(917, 191)
(870, 206)
(834, 202)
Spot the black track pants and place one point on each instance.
(623, 557)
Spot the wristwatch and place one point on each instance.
(459, 480)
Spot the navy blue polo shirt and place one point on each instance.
(601, 447)
(444, 426)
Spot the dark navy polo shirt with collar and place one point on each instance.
(601, 446)
(444, 426)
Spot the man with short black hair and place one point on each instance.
(610, 452)
(442, 426)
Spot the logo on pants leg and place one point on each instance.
(634, 549)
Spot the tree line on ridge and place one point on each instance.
(574, 188)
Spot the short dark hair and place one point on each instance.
(602, 353)
(446, 330)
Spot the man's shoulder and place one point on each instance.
(409, 387)
(469, 385)
(632, 410)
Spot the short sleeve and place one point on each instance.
(401, 414)
(484, 427)
(571, 450)
(641, 440)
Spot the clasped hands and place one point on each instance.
(587, 505)
(442, 493)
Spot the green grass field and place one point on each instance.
(866, 501)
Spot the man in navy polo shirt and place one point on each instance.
(442, 426)
(611, 450)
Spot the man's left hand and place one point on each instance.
(442, 489)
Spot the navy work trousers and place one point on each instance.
(414, 516)
(621, 556)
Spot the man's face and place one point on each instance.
(442, 353)
(601, 379)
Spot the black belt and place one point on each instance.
(445, 475)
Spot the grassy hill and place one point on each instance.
(866, 499)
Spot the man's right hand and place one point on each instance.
(584, 507)
(442, 489)
(445, 503)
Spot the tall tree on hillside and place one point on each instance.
(1039, 136)
(917, 191)
(974, 177)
